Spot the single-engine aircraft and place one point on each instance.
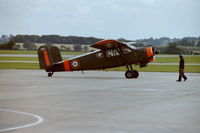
(109, 54)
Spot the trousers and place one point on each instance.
(181, 74)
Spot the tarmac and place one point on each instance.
(98, 102)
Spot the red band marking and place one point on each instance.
(46, 57)
(104, 42)
(153, 59)
(149, 52)
(66, 65)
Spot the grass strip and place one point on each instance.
(188, 59)
(8, 58)
(150, 68)
(13, 65)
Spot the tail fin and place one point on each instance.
(55, 54)
(47, 57)
(44, 57)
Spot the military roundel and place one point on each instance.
(75, 64)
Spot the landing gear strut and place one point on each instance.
(131, 73)
(50, 74)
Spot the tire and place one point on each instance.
(50, 74)
(135, 74)
(129, 74)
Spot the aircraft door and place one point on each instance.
(112, 58)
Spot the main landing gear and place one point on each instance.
(50, 74)
(131, 73)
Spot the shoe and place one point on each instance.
(185, 79)
(178, 80)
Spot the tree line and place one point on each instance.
(186, 41)
(56, 39)
(171, 48)
(172, 45)
(11, 45)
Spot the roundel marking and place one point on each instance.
(75, 64)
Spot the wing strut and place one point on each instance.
(124, 59)
(130, 73)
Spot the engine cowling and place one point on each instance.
(146, 55)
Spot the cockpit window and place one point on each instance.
(111, 53)
(100, 55)
(125, 50)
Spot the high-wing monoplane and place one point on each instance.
(109, 54)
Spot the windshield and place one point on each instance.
(130, 46)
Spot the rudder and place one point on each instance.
(55, 54)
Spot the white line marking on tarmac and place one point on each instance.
(39, 120)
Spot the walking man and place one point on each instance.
(181, 69)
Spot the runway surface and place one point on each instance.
(98, 102)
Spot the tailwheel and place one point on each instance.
(50, 74)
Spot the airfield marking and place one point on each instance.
(39, 120)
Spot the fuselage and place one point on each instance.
(102, 59)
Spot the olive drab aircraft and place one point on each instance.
(109, 54)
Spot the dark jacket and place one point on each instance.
(181, 63)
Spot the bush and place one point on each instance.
(77, 47)
(173, 48)
(7, 46)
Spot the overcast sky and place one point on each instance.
(130, 19)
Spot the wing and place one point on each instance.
(105, 44)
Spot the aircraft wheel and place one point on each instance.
(50, 74)
(135, 74)
(129, 74)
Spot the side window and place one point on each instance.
(111, 53)
(115, 52)
(125, 50)
(100, 55)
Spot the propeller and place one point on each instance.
(155, 50)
